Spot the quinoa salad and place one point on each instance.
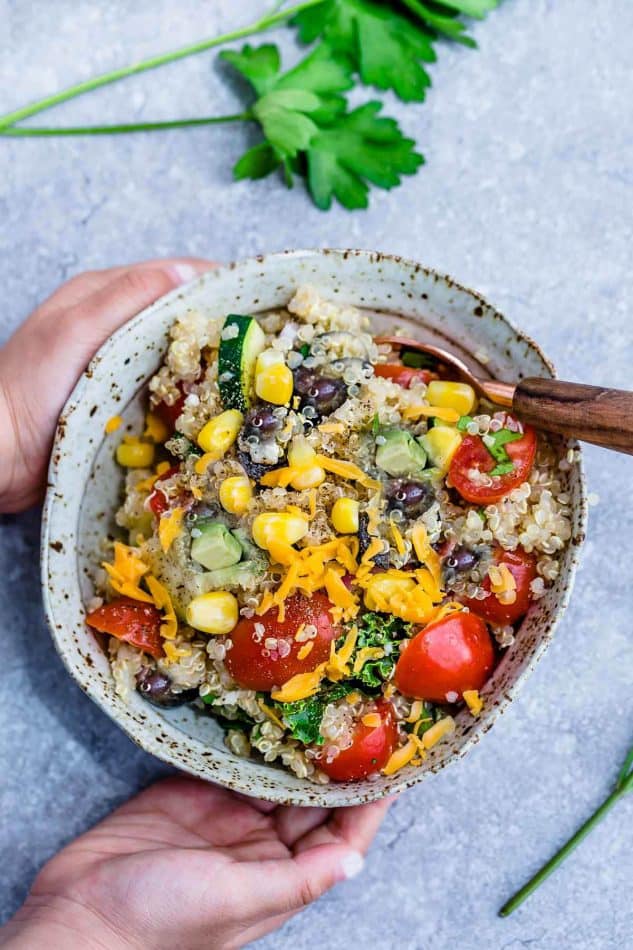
(325, 542)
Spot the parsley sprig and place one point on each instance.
(308, 129)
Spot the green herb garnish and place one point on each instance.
(623, 785)
(463, 422)
(303, 717)
(304, 349)
(495, 442)
(375, 425)
(309, 131)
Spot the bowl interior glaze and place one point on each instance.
(85, 486)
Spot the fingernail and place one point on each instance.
(352, 864)
(183, 272)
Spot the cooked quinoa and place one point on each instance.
(307, 514)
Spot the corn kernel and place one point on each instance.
(135, 454)
(344, 515)
(301, 456)
(216, 612)
(278, 526)
(447, 395)
(383, 589)
(309, 477)
(219, 434)
(273, 379)
(440, 444)
(300, 453)
(235, 494)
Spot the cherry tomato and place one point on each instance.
(135, 622)
(473, 454)
(169, 414)
(522, 566)
(158, 501)
(402, 375)
(256, 665)
(370, 750)
(448, 656)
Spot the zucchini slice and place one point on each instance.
(241, 341)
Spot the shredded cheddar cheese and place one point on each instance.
(400, 757)
(126, 572)
(305, 650)
(438, 731)
(170, 527)
(438, 412)
(473, 700)
(300, 686)
(372, 720)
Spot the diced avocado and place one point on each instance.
(241, 341)
(214, 546)
(400, 454)
(441, 442)
(225, 578)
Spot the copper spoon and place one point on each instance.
(591, 413)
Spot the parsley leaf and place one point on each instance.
(383, 631)
(389, 42)
(303, 717)
(309, 131)
(386, 48)
(358, 148)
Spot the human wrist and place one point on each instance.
(60, 924)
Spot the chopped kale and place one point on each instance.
(303, 717)
(385, 632)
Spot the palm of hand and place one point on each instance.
(190, 864)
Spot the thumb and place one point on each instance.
(288, 884)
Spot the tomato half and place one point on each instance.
(404, 376)
(255, 664)
(370, 750)
(522, 566)
(130, 620)
(473, 454)
(446, 657)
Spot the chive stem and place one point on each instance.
(265, 22)
(623, 785)
(45, 132)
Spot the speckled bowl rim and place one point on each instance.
(314, 795)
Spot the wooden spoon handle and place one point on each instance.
(590, 413)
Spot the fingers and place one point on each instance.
(325, 855)
(293, 823)
(285, 885)
(79, 288)
(355, 827)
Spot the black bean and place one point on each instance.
(157, 689)
(412, 498)
(462, 558)
(261, 422)
(364, 540)
(322, 393)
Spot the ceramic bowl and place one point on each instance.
(85, 486)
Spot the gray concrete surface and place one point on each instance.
(527, 196)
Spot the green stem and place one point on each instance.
(624, 784)
(41, 132)
(259, 26)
